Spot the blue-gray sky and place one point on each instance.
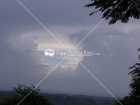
(23, 41)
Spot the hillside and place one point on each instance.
(64, 99)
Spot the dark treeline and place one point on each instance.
(63, 99)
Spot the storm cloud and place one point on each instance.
(22, 37)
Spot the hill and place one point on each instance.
(65, 99)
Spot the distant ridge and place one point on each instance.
(70, 99)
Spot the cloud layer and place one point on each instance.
(22, 37)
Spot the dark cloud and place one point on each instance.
(19, 66)
(118, 53)
(20, 62)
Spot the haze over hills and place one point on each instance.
(70, 99)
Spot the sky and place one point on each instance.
(61, 25)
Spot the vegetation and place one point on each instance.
(117, 10)
(59, 99)
(35, 98)
(123, 10)
(63, 99)
(134, 95)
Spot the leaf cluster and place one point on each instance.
(117, 10)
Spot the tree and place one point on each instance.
(35, 98)
(115, 10)
(134, 95)
(122, 10)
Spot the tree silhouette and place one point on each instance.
(35, 98)
(117, 10)
(134, 95)
(122, 10)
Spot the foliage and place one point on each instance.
(115, 10)
(59, 99)
(35, 98)
(134, 95)
(64, 99)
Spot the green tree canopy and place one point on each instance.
(35, 98)
(115, 10)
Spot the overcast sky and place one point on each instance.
(23, 41)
